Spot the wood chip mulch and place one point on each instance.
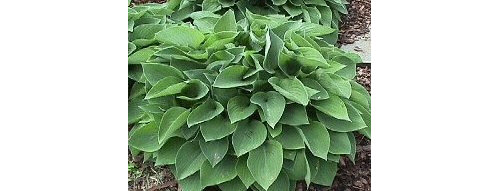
(357, 22)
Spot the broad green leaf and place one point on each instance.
(311, 57)
(217, 128)
(279, 2)
(313, 84)
(214, 150)
(239, 108)
(131, 47)
(188, 133)
(272, 104)
(169, 85)
(290, 138)
(348, 72)
(136, 90)
(265, 163)
(339, 125)
(326, 173)
(300, 169)
(233, 185)
(166, 155)
(333, 157)
(145, 138)
(326, 15)
(191, 183)
(274, 132)
(289, 64)
(282, 182)
(147, 31)
(173, 119)
(366, 115)
(333, 106)
(134, 112)
(243, 172)
(289, 154)
(193, 90)
(155, 72)
(232, 77)
(273, 48)
(226, 23)
(294, 115)
(334, 84)
(339, 143)
(188, 160)
(352, 139)
(204, 112)
(141, 55)
(222, 172)
(317, 139)
(290, 88)
(360, 99)
(249, 135)
(181, 35)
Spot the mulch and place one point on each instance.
(356, 23)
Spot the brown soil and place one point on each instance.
(357, 22)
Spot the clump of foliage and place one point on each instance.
(258, 102)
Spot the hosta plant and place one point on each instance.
(254, 103)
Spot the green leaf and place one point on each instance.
(169, 85)
(339, 143)
(188, 160)
(191, 183)
(239, 108)
(214, 150)
(273, 48)
(232, 76)
(243, 172)
(166, 155)
(274, 132)
(249, 135)
(317, 139)
(233, 185)
(348, 72)
(290, 88)
(141, 55)
(294, 115)
(352, 139)
(217, 128)
(272, 104)
(366, 115)
(181, 35)
(313, 84)
(290, 138)
(282, 182)
(193, 90)
(339, 125)
(134, 112)
(173, 119)
(333, 106)
(311, 57)
(326, 173)
(226, 23)
(279, 2)
(155, 72)
(204, 112)
(222, 172)
(334, 84)
(265, 163)
(145, 138)
(300, 169)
